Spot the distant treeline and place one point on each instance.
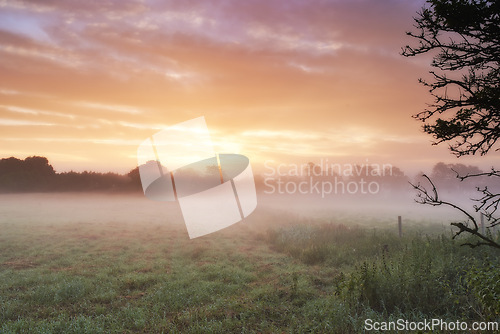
(35, 174)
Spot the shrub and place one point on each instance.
(484, 282)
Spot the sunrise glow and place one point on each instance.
(85, 83)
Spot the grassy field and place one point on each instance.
(127, 266)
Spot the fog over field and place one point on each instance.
(114, 263)
(124, 209)
(305, 166)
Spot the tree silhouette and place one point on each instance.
(464, 38)
(35, 174)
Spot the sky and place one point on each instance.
(83, 83)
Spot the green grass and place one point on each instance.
(425, 275)
(124, 277)
(91, 278)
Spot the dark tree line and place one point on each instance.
(35, 174)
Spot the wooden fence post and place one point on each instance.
(400, 227)
(482, 224)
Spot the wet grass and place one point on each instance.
(274, 273)
(112, 277)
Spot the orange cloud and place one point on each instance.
(84, 82)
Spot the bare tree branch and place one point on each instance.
(432, 198)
